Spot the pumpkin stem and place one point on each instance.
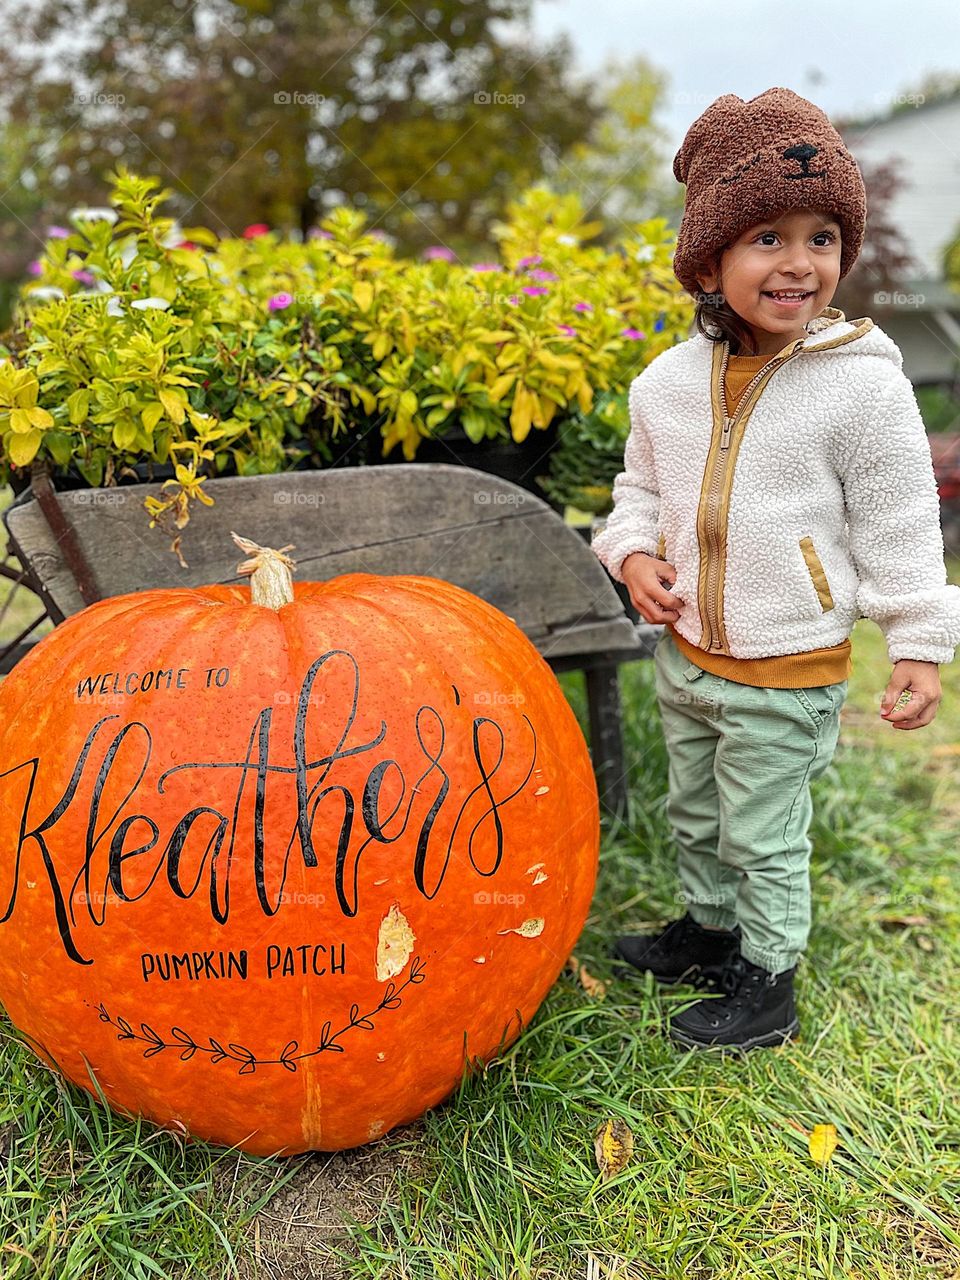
(271, 580)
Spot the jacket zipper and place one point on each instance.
(716, 638)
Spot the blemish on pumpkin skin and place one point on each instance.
(531, 928)
(394, 943)
(375, 1129)
(310, 1115)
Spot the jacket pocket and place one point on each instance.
(819, 578)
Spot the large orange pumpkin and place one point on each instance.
(273, 870)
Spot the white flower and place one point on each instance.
(644, 253)
(128, 252)
(150, 304)
(45, 292)
(114, 306)
(94, 214)
(566, 238)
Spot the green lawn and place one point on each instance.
(500, 1181)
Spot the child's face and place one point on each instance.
(795, 250)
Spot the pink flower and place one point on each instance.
(57, 233)
(186, 244)
(583, 306)
(85, 277)
(279, 301)
(543, 275)
(486, 266)
(514, 300)
(636, 334)
(568, 330)
(35, 268)
(439, 251)
(526, 262)
(534, 290)
(318, 233)
(255, 229)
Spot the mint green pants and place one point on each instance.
(741, 760)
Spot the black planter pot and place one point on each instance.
(67, 479)
(519, 463)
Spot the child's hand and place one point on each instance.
(641, 575)
(919, 680)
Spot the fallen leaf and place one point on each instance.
(822, 1142)
(903, 921)
(613, 1147)
(594, 987)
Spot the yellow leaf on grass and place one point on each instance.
(822, 1142)
(613, 1147)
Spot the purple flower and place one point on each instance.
(35, 268)
(527, 262)
(543, 275)
(318, 233)
(279, 301)
(57, 233)
(440, 251)
(514, 300)
(568, 330)
(85, 277)
(637, 334)
(487, 266)
(534, 290)
(583, 306)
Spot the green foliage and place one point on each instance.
(141, 341)
(589, 456)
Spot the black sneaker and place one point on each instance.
(755, 1008)
(682, 952)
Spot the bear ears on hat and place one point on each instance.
(699, 131)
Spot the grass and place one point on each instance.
(500, 1182)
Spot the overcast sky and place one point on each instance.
(848, 57)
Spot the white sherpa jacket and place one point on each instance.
(813, 505)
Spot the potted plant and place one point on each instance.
(143, 350)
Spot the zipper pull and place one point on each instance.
(725, 437)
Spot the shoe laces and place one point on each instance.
(741, 985)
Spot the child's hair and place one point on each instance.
(717, 320)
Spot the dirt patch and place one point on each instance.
(292, 1236)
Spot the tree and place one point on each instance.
(273, 110)
(619, 168)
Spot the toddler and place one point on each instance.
(777, 485)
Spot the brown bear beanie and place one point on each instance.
(743, 162)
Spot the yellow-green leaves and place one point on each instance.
(151, 414)
(22, 449)
(363, 294)
(78, 406)
(174, 404)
